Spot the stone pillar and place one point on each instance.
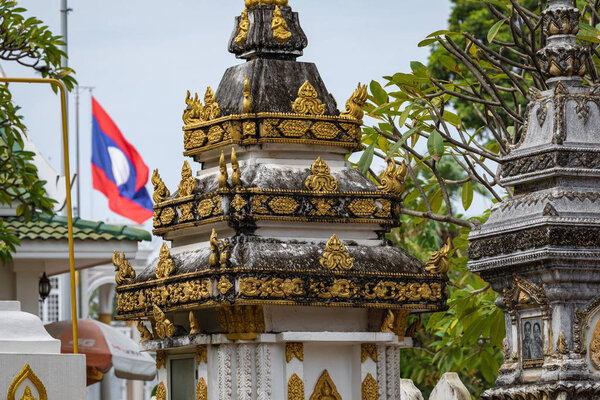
(105, 300)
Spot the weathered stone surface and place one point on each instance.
(450, 387)
(408, 390)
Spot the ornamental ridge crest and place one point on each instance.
(164, 327)
(308, 101)
(336, 255)
(161, 193)
(125, 272)
(188, 182)
(165, 265)
(321, 180)
(355, 104)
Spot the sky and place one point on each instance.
(142, 56)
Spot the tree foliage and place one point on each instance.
(29, 43)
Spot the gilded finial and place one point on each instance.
(321, 179)
(224, 257)
(336, 255)
(236, 175)
(280, 27)
(211, 107)
(145, 334)
(223, 176)
(213, 260)
(164, 327)
(355, 104)
(165, 265)
(125, 272)
(188, 182)
(388, 322)
(247, 99)
(193, 111)
(438, 263)
(393, 179)
(194, 326)
(308, 101)
(243, 29)
(161, 193)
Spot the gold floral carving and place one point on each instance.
(215, 134)
(211, 107)
(233, 130)
(125, 272)
(325, 389)
(362, 207)
(595, 346)
(156, 219)
(336, 256)
(27, 373)
(308, 101)
(325, 130)
(241, 322)
(258, 204)
(217, 202)
(368, 350)
(224, 285)
(247, 104)
(395, 322)
(353, 132)
(393, 179)
(161, 392)
(386, 208)
(161, 359)
(271, 287)
(355, 104)
(160, 189)
(145, 334)
(249, 130)
(254, 3)
(268, 128)
(164, 327)
(223, 176)
(193, 112)
(205, 208)
(294, 349)
(238, 203)
(201, 390)
(321, 179)
(201, 354)
(187, 186)
(438, 263)
(294, 128)
(283, 205)
(322, 207)
(280, 27)
(236, 175)
(295, 388)
(370, 391)
(169, 295)
(243, 28)
(186, 212)
(165, 265)
(194, 326)
(167, 216)
(193, 139)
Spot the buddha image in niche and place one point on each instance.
(533, 343)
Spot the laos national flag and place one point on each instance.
(118, 171)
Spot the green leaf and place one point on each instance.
(367, 158)
(495, 29)
(452, 118)
(380, 95)
(435, 144)
(427, 42)
(467, 195)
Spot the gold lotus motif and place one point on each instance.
(336, 255)
(283, 205)
(205, 208)
(362, 207)
(167, 216)
(215, 134)
(294, 128)
(238, 203)
(325, 130)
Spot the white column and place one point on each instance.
(264, 387)
(244, 371)
(225, 368)
(382, 373)
(294, 364)
(368, 366)
(105, 300)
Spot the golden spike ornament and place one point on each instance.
(194, 326)
(336, 257)
(201, 390)
(193, 112)
(27, 394)
(215, 245)
(161, 193)
(325, 389)
(223, 176)
(211, 107)
(393, 179)
(145, 334)
(164, 327)
(187, 186)
(355, 104)
(308, 101)
(321, 180)
(161, 392)
(280, 29)
(236, 175)
(243, 29)
(165, 265)
(438, 263)
(247, 98)
(125, 272)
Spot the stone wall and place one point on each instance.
(448, 388)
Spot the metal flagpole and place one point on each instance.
(77, 165)
(64, 13)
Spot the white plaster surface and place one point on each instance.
(21, 332)
(408, 390)
(450, 387)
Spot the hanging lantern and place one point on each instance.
(44, 287)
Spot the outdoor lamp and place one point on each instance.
(44, 287)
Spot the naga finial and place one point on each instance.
(236, 175)
(438, 263)
(161, 193)
(393, 179)
(187, 186)
(145, 334)
(125, 272)
(194, 326)
(193, 111)
(355, 104)
(223, 176)
(247, 99)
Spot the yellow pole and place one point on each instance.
(63, 106)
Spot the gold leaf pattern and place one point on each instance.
(294, 128)
(294, 349)
(368, 350)
(238, 203)
(325, 389)
(258, 204)
(186, 212)
(308, 101)
(205, 208)
(283, 205)
(321, 179)
(362, 207)
(161, 359)
(224, 285)
(336, 256)
(164, 327)
(215, 134)
(27, 374)
(322, 207)
(211, 107)
(370, 391)
(201, 390)
(193, 112)
(201, 354)
(161, 392)
(165, 265)
(295, 388)
(187, 186)
(325, 130)
(167, 216)
(595, 346)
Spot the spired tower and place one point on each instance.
(279, 283)
(541, 249)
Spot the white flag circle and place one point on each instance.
(120, 165)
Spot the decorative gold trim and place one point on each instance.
(27, 373)
(164, 327)
(363, 207)
(336, 255)
(295, 388)
(161, 392)
(370, 391)
(279, 27)
(194, 326)
(201, 390)
(145, 334)
(393, 179)
(325, 389)
(294, 349)
(236, 175)
(322, 207)
(165, 265)
(438, 263)
(193, 112)
(368, 350)
(271, 287)
(595, 346)
(238, 203)
(211, 107)
(254, 3)
(167, 216)
(125, 272)
(187, 186)
(223, 176)
(355, 104)
(283, 205)
(241, 322)
(201, 354)
(243, 28)
(308, 102)
(247, 99)
(161, 359)
(224, 285)
(321, 180)
(161, 193)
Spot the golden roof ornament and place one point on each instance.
(388, 323)
(211, 107)
(325, 389)
(161, 193)
(165, 265)
(164, 327)
(215, 245)
(308, 101)
(223, 176)
(438, 263)
(236, 175)
(243, 28)
(321, 179)
(193, 112)
(188, 182)
(254, 3)
(355, 104)
(194, 326)
(125, 272)
(247, 98)
(280, 29)
(145, 334)
(393, 179)
(336, 255)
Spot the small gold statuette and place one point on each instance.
(27, 374)
(27, 394)
(164, 327)
(161, 193)
(247, 99)
(236, 175)
(218, 251)
(308, 101)
(280, 27)
(211, 107)
(187, 186)
(355, 104)
(125, 272)
(193, 112)
(223, 176)
(438, 263)
(145, 334)
(321, 179)
(393, 179)
(161, 392)
(194, 326)
(336, 255)
(243, 29)
(165, 265)
(325, 389)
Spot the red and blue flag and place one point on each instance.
(118, 170)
